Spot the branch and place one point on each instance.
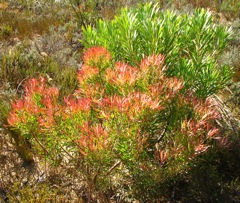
(112, 168)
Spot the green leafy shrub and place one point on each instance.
(125, 129)
(191, 44)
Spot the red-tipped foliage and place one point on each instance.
(122, 74)
(92, 139)
(96, 56)
(39, 100)
(120, 109)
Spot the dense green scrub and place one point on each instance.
(191, 43)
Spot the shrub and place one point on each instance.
(125, 129)
(50, 54)
(191, 44)
(27, 18)
(6, 31)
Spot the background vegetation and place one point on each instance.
(49, 39)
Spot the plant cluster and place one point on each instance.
(230, 8)
(124, 123)
(135, 120)
(88, 12)
(191, 44)
(51, 55)
(22, 19)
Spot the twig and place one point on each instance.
(162, 134)
(112, 168)
(42, 146)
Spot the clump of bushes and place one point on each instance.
(124, 123)
(24, 19)
(190, 43)
(134, 116)
(51, 55)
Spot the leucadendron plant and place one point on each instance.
(125, 129)
(191, 43)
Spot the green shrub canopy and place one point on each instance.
(191, 44)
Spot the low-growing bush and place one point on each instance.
(51, 54)
(25, 18)
(191, 43)
(6, 31)
(124, 130)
